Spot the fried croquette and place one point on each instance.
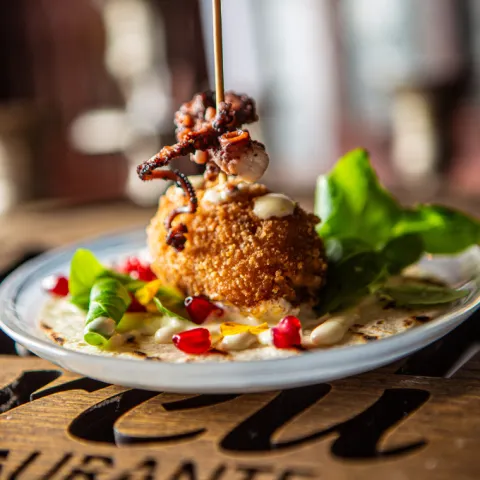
(235, 257)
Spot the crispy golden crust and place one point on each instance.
(233, 256)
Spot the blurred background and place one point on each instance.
(88, 90)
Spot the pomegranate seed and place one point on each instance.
(195, 341)
(138, 270)
(199, 309)
(287, 333)
(135, 306)
(56, 285)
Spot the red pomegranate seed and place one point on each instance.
(287, 333)
(56, 285)
(135, 306)
(195, 341)
(199, 309)
(138, 270)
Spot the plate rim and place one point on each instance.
(312, 360)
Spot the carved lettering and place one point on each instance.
(86, 384)
(219, 473)
(58, 466)
(96, 467)
(3, 456)
(16, 474)
(296, 474)
(198, 401)
(90, 468)
(25, 469)
(358, 438)
(254, 434)
(18, 392)
(146, 470)
(97, 424)
(252, 473)
(188, 470)
(185, 471)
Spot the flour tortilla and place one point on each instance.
(63, 324)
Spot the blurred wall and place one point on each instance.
(99, 81)
(89, 88)
(282, 53)
(53, 54)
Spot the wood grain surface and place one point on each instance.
(56, 425)
(404, 421)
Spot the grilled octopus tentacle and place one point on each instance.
(176, 235)
(146, 170)
(201, 128)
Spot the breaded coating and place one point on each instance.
(233, 256)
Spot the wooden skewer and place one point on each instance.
(218, 47)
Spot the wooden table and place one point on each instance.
(416, 419)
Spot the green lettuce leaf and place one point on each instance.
(349, 280)
(443, 230)
(167, 312)
(170, 296)
(417, 294)
(133, 285)
(85, 269)
(340, 249)
(352, 203)
(108, 299)
(369, 236)
(400, 252)
(133, 321)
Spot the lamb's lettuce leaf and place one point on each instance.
(443, 230)
(416, 294)
(400, 252)
(350, 279)
(85, 269)
(109, 300)
(369, 236)
(352, 203)
(166, 311)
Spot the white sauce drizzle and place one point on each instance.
(220, 194)
(117, 341)
(333, 329)
(273, 205)
(173, 326)
(197, 181)
(151, 325)
(265, 338)
(102, 325)
(240, 341)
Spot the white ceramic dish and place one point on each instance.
(21, 297)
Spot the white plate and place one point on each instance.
(21, 297)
